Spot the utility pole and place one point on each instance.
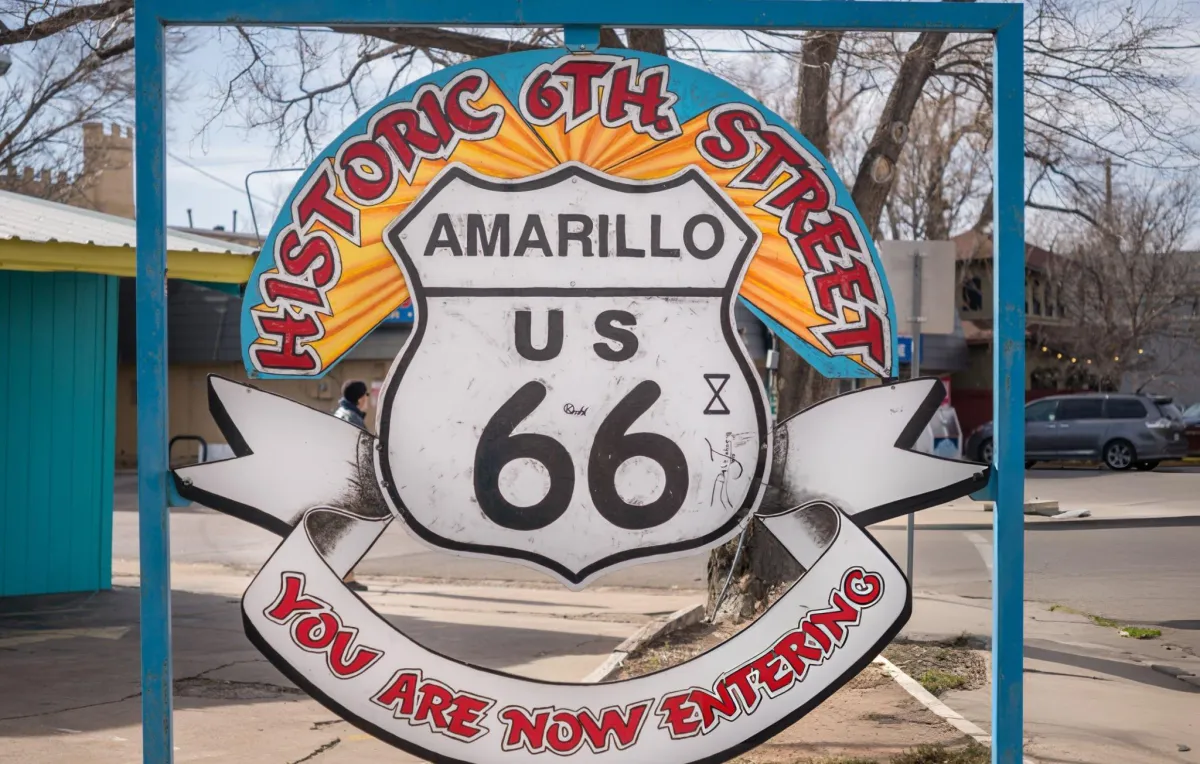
(1108, 191)
(915, 369)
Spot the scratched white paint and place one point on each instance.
(462, 365)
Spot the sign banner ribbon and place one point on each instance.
(850, 602)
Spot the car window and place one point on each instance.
(1170, 411)
(1193, 410)
(1040, 411)
(1125, 408)
(1080, 408)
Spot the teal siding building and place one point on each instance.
(59, 273)
(58, 388)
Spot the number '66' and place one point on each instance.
(613, 445)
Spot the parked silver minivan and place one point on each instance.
(1120, 430)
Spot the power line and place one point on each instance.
(215, 178)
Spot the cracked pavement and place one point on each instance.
(75, 695)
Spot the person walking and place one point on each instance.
(352, 408)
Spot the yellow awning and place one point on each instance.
(218, 267)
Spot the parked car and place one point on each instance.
(1121, 430)
(1191, 424)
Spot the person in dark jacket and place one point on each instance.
(352, 408)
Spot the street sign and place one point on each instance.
(571, 232)
(577, 348)
(402, 315)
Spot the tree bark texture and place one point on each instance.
(877, 170)
(764, 565)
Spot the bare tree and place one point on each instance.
(1104, 79)
(1129, 288)
(70, 66)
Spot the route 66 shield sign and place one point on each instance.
(575, 371)
(572, 232)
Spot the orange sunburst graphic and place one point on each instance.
(371, 285)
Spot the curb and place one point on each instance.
(694, 614)
(1183, 675)
(1088, 523)
(927, 699)
(652, 630)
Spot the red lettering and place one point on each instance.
(543, 99)
(288, 329)
(401, 130)
(429, 105)
(794, 202)
(676, 717)
(458, 715)
(275, 289)
(622, 727)
(740, 679)
(360, 657)
(779, 152)
(818, 636)
(711, 704)
(845, 281)
(472, 124)
(316, 632)
(797, 652)
(863, 588)
(868, 336)
(400, 695)
(827, 236)
(435, 701)
(296, 259)
(730, 144)
(521, 731)
(645, 106)
(468, 711)
(291, 599)
(582, 74)
(366, 170)
(831, 620)
(319, 202)
(773, 673)
(565, 734)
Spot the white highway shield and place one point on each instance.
(574, 394)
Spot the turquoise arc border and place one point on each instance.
(698, 92)
(581, 19)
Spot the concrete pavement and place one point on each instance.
(76, 696)
(1091, 696)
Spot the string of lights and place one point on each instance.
(1068, 358)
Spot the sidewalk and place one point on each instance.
(1091, 696)
(966, 515)
(72, 683)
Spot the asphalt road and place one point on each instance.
(1143, 575)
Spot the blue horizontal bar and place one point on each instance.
(679, 14)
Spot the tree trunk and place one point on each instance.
(764, 564)
(647, 40)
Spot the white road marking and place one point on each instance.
(984, 547)
(925, 698)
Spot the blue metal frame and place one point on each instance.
(582, 20)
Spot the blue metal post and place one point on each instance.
(153, 518)
(581, 37)
(1008, 395)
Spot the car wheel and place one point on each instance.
(1119, 455)
(1145, 466)
(986, 451)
